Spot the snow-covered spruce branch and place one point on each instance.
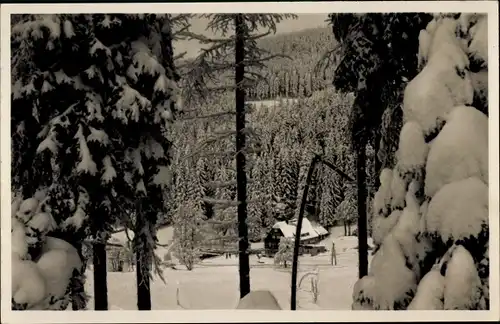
(258, 76)
(251, 62)
(214, 115)
(224, 184)
(181, 33)
(328, 59)
(206, 40)
(210, 154)
(179, 56)
(249, 131)
(180, 19)
(231, 154)
(222, 202)
(57, 120)
(220, 222)
(222, 88)
(212, 139)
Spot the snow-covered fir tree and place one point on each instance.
(205, 178)
(259, 212)
(345, 211)
(286, 197)
(189, 216)
(330, 199)
(430, 216)
(93, 99)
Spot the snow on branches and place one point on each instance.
(124, 81)
(442, 169)
(88, 88)
(443, 83)
(43, 267)
(462, 146)
(459, 210)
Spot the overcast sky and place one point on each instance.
(304, 21)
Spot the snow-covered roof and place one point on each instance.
(308, 230)
(319, 229)
(286, 229)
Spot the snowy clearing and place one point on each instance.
(213, 284)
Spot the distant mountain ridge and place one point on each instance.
(294, 75)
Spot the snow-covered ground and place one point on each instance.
(213, 284)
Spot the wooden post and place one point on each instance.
(334, 254)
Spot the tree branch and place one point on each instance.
(219, 114)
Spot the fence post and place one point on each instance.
(334, 254)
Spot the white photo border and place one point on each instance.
(225, 316)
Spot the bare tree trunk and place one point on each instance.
(345, 227)
(100, 276)
(296, 250)
(362, 220)
(377, 163)
(241, 178)
(142, 274)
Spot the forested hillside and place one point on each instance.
(283, 139)
(295, 76)
(291, 72)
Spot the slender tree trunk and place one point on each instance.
(377, 163)
(345, 227)
(298, 228)
(241, 178)
(100, 276)
(362, 220)
(142, 265)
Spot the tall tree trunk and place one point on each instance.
(78, 290)
(142, 265)
(377, 163)
(345, 227)
(362, 219)
(100, 276)
(241, 178)
(298, 228)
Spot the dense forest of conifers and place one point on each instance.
(283, 138)
(294, 74)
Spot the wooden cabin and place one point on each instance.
(311, 233)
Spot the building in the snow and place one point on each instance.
(120, 257)
(119, 252)
(311, 233)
